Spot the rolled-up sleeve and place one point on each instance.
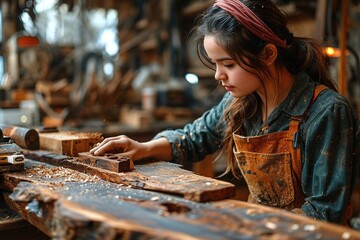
(331, 159)
(200, 138)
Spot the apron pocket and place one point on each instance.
(268, 177)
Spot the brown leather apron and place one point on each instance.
(271, 164)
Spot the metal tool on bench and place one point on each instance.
(11, 156)
(10, 153)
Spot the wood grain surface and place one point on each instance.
(67, 204)
(110, 161)
(155, 176)
(68, 143)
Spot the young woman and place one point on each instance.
(282, 124)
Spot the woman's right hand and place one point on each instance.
(159, 149)
(122, 144)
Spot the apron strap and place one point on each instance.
(317, 91)
(294, 132)
(296, 120)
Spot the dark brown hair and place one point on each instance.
(301, 55)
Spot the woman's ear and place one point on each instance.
(269, 54)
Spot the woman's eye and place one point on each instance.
(229, 65)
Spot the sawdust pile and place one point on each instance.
(60, 174)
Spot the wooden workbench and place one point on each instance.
(154, 201)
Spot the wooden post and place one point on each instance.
(342, 76)
(319, 32)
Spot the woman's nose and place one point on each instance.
(219, 75)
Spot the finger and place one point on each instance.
(115, 146)
(106, 141)
(95, 147)
(100, 149)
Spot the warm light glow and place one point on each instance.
(334, 52)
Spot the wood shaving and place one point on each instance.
(60, 173)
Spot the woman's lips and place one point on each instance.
(228, 88)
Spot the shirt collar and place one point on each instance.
(298, 100)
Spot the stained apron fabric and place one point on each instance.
(271, 164)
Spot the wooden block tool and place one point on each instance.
(110, 161)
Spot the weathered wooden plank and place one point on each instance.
(171, 178)
(155, 176)
(68, 143)
(111, 162)
(10, 219)
(95, 209)
(9, 148)
(13, 226)
(11, 167)
(41, 220)
(273, 219)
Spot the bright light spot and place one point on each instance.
(108, 38)
(27, 22)
(335, 52)
(44, 5)
(23, 118)
(108, 34)
(108, 69)
(330, 51)
(192, 78)
(112, 15)
(112, 48)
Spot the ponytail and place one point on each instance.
(305, 55)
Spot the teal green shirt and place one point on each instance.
(329, 141)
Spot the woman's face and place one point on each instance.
(233, 78)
